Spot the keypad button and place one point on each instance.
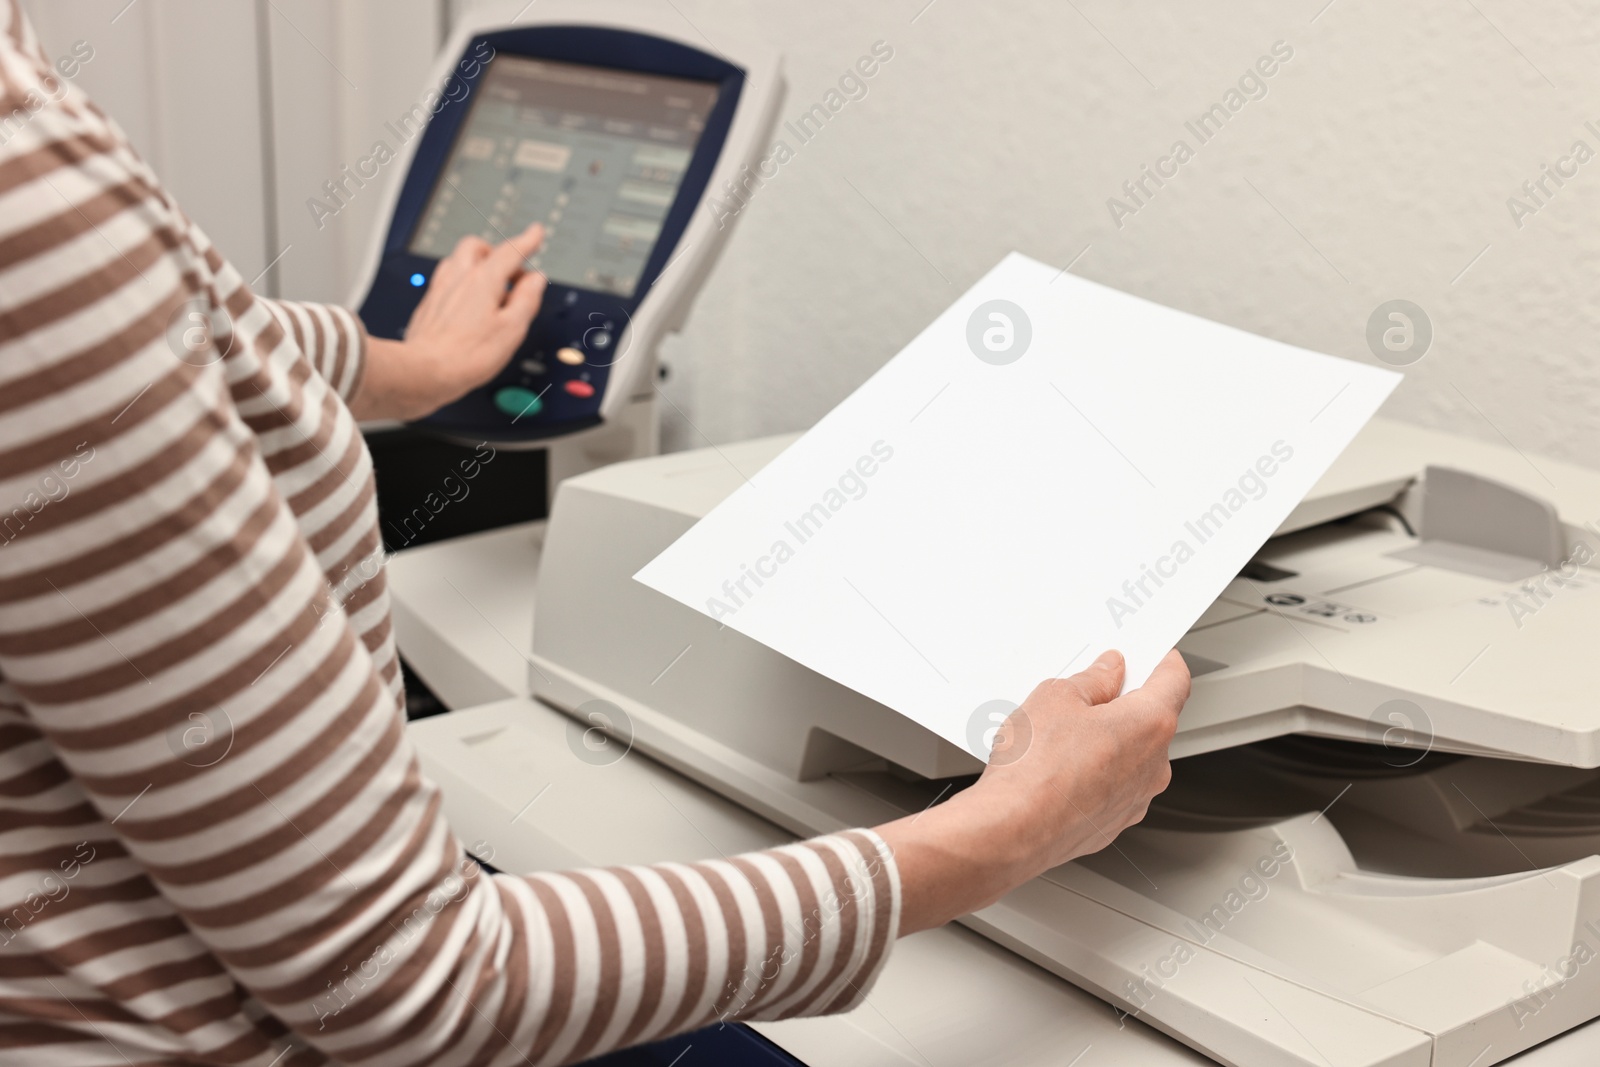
(581, 390)
(572, 357)
(518, 402)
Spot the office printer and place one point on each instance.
(1382, 841)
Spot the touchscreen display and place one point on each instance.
(596, 154)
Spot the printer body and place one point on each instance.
(1382, 841)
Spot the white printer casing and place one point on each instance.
(1422, 888)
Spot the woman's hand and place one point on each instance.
(1071, 769)
(474, 316)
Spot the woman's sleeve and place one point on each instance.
(168, 629)
(178, 639)
(332, 338)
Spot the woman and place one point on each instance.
(186, 505)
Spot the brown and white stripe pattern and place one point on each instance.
(215, 843)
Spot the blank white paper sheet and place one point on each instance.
(1051, 469)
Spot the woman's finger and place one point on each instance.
(507, 259)
(1168, 685)
(1101, 682)
(522, 303)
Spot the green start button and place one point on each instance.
(517, 401)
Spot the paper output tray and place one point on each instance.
(1332, 966)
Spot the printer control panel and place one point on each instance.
(555, 382)
(607, 138)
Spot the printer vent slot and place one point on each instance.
(907, 792)
(1321, 757)
(1259, 570)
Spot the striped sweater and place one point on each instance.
(215, 843)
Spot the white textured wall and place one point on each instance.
(1381, 161)
(1391, 141)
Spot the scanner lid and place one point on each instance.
(1465, 618)
(1349, 631)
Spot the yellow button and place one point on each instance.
(572, 357)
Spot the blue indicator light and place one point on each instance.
(418, 280)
